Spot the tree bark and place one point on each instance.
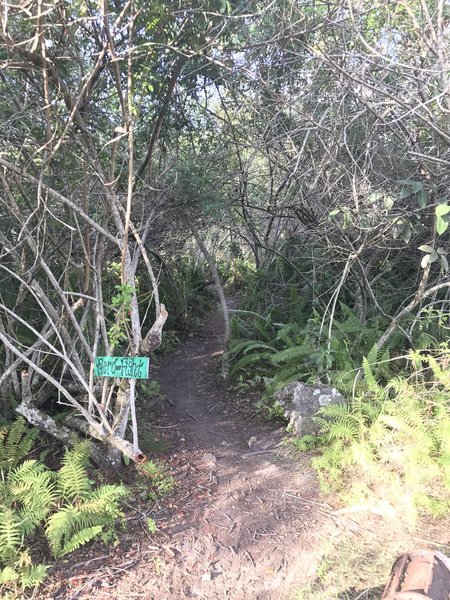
(225, 366)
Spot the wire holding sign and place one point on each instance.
(128, 367)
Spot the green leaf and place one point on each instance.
(388, 202)
(442, 209)
(413, 186)
(405, 193)
(422, 197)
(433, 257)
(426, 248)
(407, 233)
(444, 263)
(151, 525)
(374, 197)
(441, 225)
(398, 228)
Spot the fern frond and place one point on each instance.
(334, 411)
(11, 534)
(24, 472)
(33, 575)
(247, 346)
(288, 333)
(250, 360)
(59, 526)
(80, 538)
(370, 410)
(346, 429)
(264, 328)
(291, 354)
(4, 490)
(8, 575)
(16, 442)
(32, 485)
(105, 500)
(73, 479)
(371, 383)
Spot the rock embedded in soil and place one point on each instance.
(301, 403)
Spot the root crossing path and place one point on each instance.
(245, 519)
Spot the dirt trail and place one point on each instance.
(245, 520)
(249, 522)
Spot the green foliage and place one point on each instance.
(288, 352)
(16, 442)
(394, 438)
(79, 522)
(64, 505)
(170, 342)
(123, 296)
(151, 525)
(161, 482)
(182, 290)
(73, 480)
(121, 301)
(152, 390)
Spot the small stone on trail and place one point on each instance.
(251, 442)
(208, 461)
(223, 443)
(206, 577)
(182, 439)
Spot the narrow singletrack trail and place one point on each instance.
(249, 514)
(245, 520)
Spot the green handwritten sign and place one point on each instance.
(129, 367)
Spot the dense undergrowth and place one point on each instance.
(51, 513)
(389, 443)
(61, 510)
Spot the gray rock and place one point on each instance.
(301, 403)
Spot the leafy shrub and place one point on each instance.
(64, 506)
(281, 353)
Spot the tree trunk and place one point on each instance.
(225, 363)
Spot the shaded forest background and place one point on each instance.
(299, 146)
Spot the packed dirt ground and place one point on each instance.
(246, 519)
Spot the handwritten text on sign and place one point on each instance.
(129, 367)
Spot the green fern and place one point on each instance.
(252, 359)
(247, 346)
(291, 354)
(33, 575)
(289, 334)
(63, 504)
(284, 376)
(59, 527)
(8, 575)
(10, 533)
(81, 537)
(15, 443)
(73, 480)
(369, 377)
(398, 435)
(93, 514)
